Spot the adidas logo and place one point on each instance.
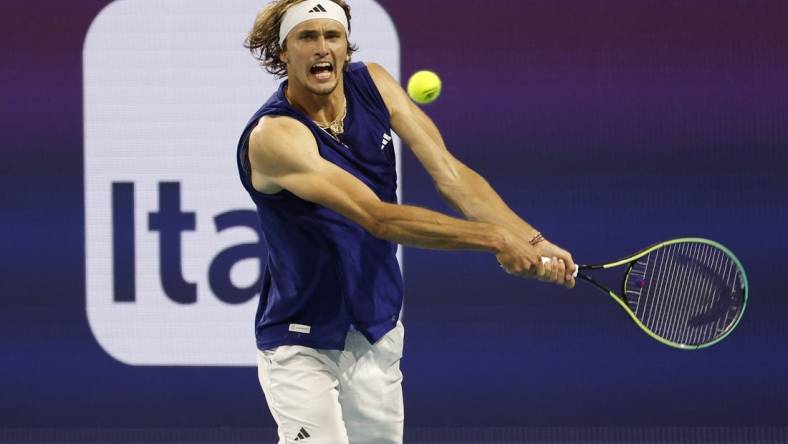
(318, 8)
(302, 434)
(386, 140)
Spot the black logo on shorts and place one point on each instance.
(302, 434)
(318, 8)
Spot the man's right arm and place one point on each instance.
(283, 154)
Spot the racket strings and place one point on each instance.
(686, 292)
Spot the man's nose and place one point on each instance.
(322, 48)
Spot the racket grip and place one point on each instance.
(574, 273)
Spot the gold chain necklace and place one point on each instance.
(336, 127)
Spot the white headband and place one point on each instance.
(308, 10)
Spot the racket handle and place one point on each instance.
(574, 273)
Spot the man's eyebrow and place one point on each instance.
(311, 32)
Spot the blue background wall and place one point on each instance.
(609, 125)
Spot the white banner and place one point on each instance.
(173, 252)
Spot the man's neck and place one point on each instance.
(320, 108)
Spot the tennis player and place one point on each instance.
(318, 162)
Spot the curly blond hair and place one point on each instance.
(263, 40)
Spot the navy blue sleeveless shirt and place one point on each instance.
(324, 271)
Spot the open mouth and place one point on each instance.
(322, 70)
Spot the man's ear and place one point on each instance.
(283, 56)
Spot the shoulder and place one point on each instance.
(379, 74)
(274, 131)
(279, 139)
(388, 87)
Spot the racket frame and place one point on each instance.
(630, 260)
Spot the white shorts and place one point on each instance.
(336, 397)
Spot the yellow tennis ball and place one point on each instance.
(424, 87)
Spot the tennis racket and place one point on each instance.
(687, 293)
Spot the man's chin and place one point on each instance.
(322, 90)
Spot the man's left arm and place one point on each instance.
(463, 188)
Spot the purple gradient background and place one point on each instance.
(609, 125)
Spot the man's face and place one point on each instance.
(315, 53)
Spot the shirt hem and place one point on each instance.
(267, 345)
